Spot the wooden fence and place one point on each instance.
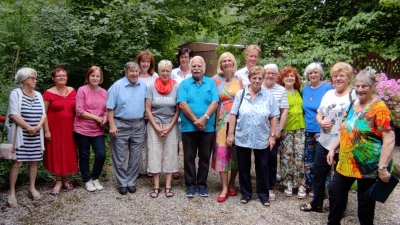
(391, 68)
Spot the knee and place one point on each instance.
(101, 155)
(16, 165)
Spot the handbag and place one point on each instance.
(380, 191)
(7, 150)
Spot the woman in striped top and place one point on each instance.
(26, 114)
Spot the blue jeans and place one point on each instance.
(83, 142)
(309, 154)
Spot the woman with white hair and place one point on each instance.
(280, 96)
(312, 95)
(25, 117)
(162, 131)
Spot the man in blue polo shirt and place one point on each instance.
(125, 112)
(198, 101)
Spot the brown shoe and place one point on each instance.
(176, 176)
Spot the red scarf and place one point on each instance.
(164, 87)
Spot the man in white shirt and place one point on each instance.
(251, 57)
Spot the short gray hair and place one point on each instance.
(130, 65)
(202, 61)
(310, 67)
(23, 74)
(366, 76)
(272, 66)
(163, 63)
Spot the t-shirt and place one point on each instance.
(361, 140)
(311, 100)
(163, 107)
(149, 80)
(295, 118)
(332, 108)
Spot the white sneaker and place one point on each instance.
(89, 186)
(289, 190)
(97, 185)
(302, 192)
(278, 177)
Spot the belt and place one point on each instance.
(128, 120)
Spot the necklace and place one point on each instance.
(62, 92)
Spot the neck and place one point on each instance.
(315, 83)
(249, 67)
(184, 68)
(227, 74)
(366, 102)
(27, 90)
(60, 86)
(343, 91)
(144, 74)
(289, 88)
(268, 85)
(93, 87)
(164, 81)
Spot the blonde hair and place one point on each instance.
(253, 47)
(222, 57)
(257, 70)
(342, 66)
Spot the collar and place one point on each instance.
(126, 82)
(194, 81)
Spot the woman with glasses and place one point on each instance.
(60, 156)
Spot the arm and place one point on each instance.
(282, 121)
(47, 133)
(184, 107)
(173, 122)
(325, 125)
(113, 129)
(330, 157)
(230, 139)
(271, 140)
(386, 154)
(151, 117)
(201, 122)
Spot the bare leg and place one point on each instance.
(168, 180)
(224, 183)
(232, 180)
(15, 166)
(33, 166)
(59, 183)
(156, 180)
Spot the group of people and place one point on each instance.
(327, 135)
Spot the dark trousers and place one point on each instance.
(84, 142)
(261, 166)
(321, 171)
(200, 144)
(309, 154)
(273, 164)
(338, 196)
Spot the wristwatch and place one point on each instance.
(207, 116)
(382, 167)
(273, 135)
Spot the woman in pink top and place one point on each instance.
(91, 115)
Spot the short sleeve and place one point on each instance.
(149, 93)
(112, 96)
(80, 102)
(382, 118)
(284, 100)
(214, 92)
(182, 92)
(274, 106)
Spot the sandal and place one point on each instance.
(67, 187)
(168, 192)
(155, 192)
(12, 201)
(244, 200)
(55, 192)
(34, 194)
(305, 208)
(266, 203)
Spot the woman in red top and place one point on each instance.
(60, 155)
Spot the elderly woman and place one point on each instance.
(225, 158)
(60, 156)
(163, 112)
(292, 146)
(312, 96)
(90, 118)
(366, 146)
(25, 117)
(178, 75)
(334, 105)
(256, 112)
(280, 96)
(145, 59)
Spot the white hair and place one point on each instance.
(23, 74)
(272, 66)
(311, 67)
(163, 63)
(202, 61)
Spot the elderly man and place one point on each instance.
(251, 58)
(198, 100)
(125, 111)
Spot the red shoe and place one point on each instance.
(232, 193)
(221, 199)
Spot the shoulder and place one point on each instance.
(280, 88)
(327, 86)
(155, 75)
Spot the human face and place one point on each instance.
(94, 78)
(364, 91)
(132, 74)
(340, 80)
(165, 73)
(61, 77)
(184, 59)
(314, 76)
(31, 81)
(256, 81)
(144, 65)
(227, 64)
(289, 80)
(270, 77)
(251, 58)
(197, 69)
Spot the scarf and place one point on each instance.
(164, 87)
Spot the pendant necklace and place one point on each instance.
(60, 92)
(227, 79)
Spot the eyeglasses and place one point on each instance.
(269, 73)
(33, 78)
(61, 76)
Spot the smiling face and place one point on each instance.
(340, 80)
(197, 68)
(256, 81)
(132, 74)
(227, 65)
(364, 91)
(94, 78)
(314, 76)
(31, 81)
(251, 58)
(61, 77)
(165, 73)
(270, 78)
(145, 65)
(184, 59)
(289, 80)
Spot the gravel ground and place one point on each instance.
(109, 207)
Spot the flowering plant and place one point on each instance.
(389, 92)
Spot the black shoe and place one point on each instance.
(123, 190)
(132, 189)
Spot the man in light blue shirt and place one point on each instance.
(198, 101)
(125, 112)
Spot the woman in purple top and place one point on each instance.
(91, 115)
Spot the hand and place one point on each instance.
(230, 139)
(113, 131)
(384, 175)
(47, 135)
(330, 158)
(271, 142)
(278, 134)
(326, 125)
(201, 123)
(103, 121)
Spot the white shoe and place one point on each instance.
(278, 177)
(97, 185)
(89, 186)
(289, 190)
(302, 192)
(272, 196)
